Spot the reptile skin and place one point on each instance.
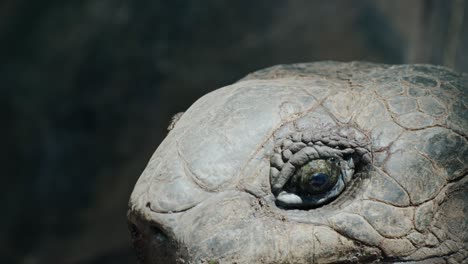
(225, 185)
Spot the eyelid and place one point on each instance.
(292, 153)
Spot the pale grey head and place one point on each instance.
(312, 163)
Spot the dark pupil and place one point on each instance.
(318, 180)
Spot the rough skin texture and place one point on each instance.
(206, 195)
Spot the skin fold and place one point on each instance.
(211, 193)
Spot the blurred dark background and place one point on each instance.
(88, 88)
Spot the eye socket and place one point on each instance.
(308, 171)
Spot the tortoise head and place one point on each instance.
(312, 163)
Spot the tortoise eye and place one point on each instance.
(315, 183)
(317, 176)
(308, 171)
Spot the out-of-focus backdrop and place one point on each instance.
(87, 89)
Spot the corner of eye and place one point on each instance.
(351, 163)
(276, 188)
(174, 119)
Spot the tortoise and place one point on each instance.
(325, 162)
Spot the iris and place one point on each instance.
(318, 176)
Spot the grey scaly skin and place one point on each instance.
(227, 184)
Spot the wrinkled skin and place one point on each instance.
(206, 195)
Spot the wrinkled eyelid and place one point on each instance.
(291, 157)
